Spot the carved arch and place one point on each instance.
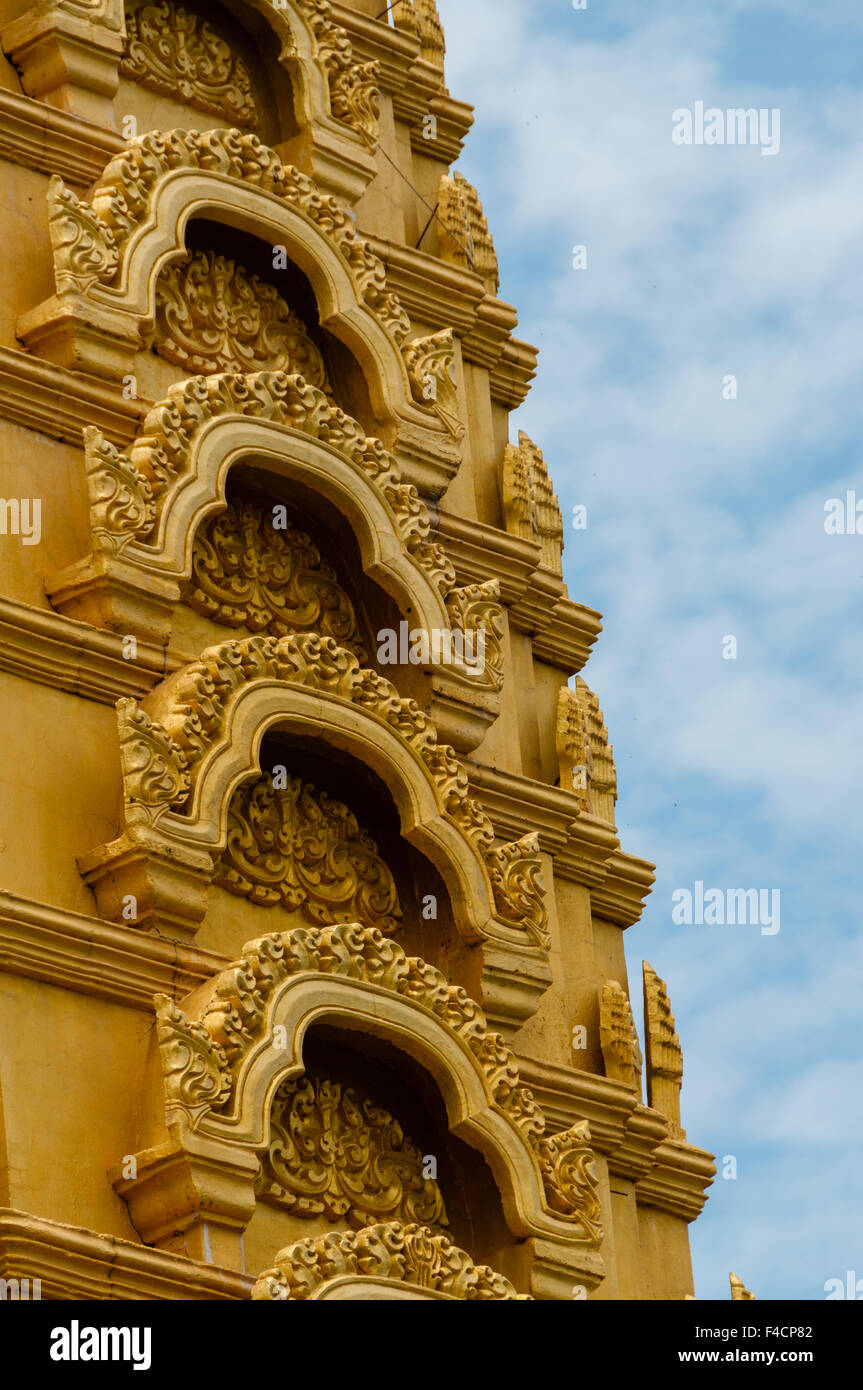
(224, 1059)
(197, 739)
(108, 255)
(385, 1261)
(146, 509)
(336, 96)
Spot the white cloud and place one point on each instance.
(706, 518)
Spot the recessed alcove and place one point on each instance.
(374, 1070)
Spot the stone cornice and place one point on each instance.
(41, 137)
(668, 1173)
(580, 846)
(413, 84)
(60, 403)
(74, 1263)
(445, 296)
(620, 898)
(678, 1181)
(584, 849)
(122, 965)
(563, 632)
(60, 652)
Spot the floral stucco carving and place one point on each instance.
(408, 1255)
(248, 573)
(213, 316)
(295, 847)
(173, 51)
(335, 1153)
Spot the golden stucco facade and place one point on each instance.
(312, 909)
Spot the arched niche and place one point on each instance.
(148, 506)
(178, 795)
(315, 838)
(199, 66)
(229, 303)
(224, 1056)
(328, 121)
(109, 254)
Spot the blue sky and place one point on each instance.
(706, 519)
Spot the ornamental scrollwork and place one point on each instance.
(247, 572)
(213, 316)
(411, 1255)
(177, 53)
(337, 1155)
(296, 848)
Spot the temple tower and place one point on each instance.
(312, 903)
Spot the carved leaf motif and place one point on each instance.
(155, 771)
(179, 54)
(195, 1067)
(300, 849)
(412, 1255)
(337, 1155)
(212, 316)
(245, 573)
(476, 608)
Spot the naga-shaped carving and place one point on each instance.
(90, 240)
(664, 1053)
(177, 53)
(618, 1038)
(297, 848)
(337, 1155)
(429, 363)
(247, 572)
(213, 316)
(584, 752)
(421, 17)
(409, 1255)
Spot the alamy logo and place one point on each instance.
(851, 1287)
(20, 1290)
(76, 1343)
(844, 516)
(440, 647)
(21, 517)
(737, 126)
(731, 907)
